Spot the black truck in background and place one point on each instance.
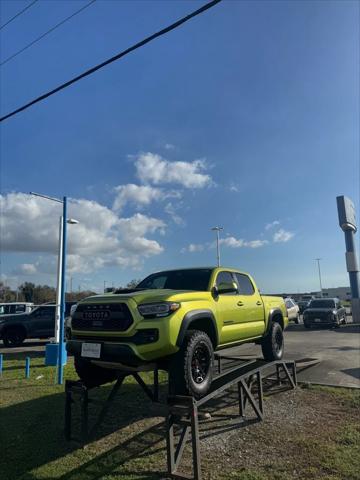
(39, 323)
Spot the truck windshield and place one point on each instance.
(322, 304)
(191, 279)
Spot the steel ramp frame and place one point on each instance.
(76, 391)
(183, 410)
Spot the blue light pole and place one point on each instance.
(62, 296)
(59, 348)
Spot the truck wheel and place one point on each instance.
(92, 375)
(191, 371)
(13, 337)
(273, 344)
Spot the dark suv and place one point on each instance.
(40, 323)
(324, 311)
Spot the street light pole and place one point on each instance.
(217, 230)
(58, 283)
(318, 262)
(62, 297)
(60, 294)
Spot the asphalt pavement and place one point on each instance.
(333, 353)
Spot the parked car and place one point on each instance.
(15, 307)
(324, 311)
(175, 318)
(292, 309)
(39, 323)
(304, 302)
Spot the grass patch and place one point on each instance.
(130, 443)
(345, 396)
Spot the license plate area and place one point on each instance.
(317, 320)
(91, 350)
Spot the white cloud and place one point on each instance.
(234, 188)
(152, 168)
(140, 195)
(25, 269)
(102, 238)
(193, 248)
(282, 236)
(169, 146)
(171, 210)
(233, 242)
(268, 226)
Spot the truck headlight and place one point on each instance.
(162, 309)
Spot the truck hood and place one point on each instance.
(151, 296)
(14, 317)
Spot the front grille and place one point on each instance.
(323, 316)
(105, 317)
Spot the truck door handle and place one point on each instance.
(258, 302)
(240, 303)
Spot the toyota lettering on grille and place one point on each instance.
(96, 315)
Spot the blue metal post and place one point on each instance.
(27, 367)
(62, 296)
(1, 364)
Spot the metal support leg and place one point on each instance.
(156, 385)
(84, 414)
(288, 376)
(195, 443)
(241, 399)
(260, 392)
(170, 444)
(68, 405)
(278, 374)
(294, 372)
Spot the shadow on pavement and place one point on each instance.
(353, 372)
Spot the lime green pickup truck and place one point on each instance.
(177, 319)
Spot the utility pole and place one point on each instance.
(104, 286)
(217, 230)
(318, 262)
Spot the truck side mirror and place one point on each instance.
(215, 291)
(227, 287)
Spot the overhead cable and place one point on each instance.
(114, 58)
(18, 14)
(47, 33)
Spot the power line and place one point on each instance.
(114, 58)
(47, 33)
(18, 14)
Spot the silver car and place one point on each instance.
(292, 309)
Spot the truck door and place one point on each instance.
(43, 321)
(252, 317)
(228, 310)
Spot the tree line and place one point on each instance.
(38, 294)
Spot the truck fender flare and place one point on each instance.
(272, 313)
(192, 316)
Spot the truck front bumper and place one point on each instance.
(109, 352)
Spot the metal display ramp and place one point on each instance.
(182, 412)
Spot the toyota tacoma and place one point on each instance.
(177, 319)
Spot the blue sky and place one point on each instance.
(246, 117)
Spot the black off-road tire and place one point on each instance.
(191, 371)
(13, 337)
(307, 325)
(272, 345)
(92, 375)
